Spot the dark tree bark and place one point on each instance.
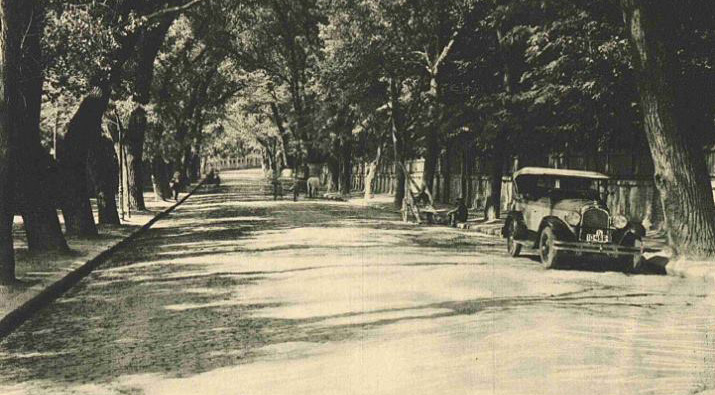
(681, 174)
(160, 178)
(333, 173)
(346, 166)
(492, 209)
(466, 181)
(447, 174)
(148, 49)
(371, 171)
(104, 174)
(398, 144)
(83, 133)
(134, 156)
(431, 157)
(34, 167)
(191, 165)
(10, 26)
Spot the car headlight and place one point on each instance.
(620, 221)
(573, 218)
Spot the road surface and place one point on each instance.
(235, 294)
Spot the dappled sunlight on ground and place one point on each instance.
(238, 294)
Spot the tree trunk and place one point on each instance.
(681, 174)
(9, 73)
(397, 128)
(431, 157)
(465, 174)
(36, 181)
(447, 174)
(104, 173)
(492, 208)
(186, 165)
(134, 154)
(136, 131)
(334, 176)
(195, 167)
(83, 133)
(370, 173)
(346, 166)
(160, 179)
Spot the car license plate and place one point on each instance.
(598, 237)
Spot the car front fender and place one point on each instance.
(561, 230)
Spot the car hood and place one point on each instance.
(576, 204)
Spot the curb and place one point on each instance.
(17, 317)
(484, 230)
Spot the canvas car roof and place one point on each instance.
(546, 171)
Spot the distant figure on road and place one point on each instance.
(313, 186)
(175, 184)
(459, 214)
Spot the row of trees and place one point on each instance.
(98, 83)
(349, 81)
(160, 84)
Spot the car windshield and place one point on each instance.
(558, 187)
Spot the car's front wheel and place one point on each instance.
(550, 257)
(512, 246)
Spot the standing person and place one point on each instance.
(175, 184)
(459, 214)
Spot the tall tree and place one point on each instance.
(35, 171)
(126, 21)
(142, 76)
(10, 30)
(681, 174)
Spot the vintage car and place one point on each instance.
(562, 213)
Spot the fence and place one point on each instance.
(244, 162)
(635, 198)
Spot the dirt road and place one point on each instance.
(235, 294)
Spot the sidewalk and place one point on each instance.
(47, 276)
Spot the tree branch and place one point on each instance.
(171, 10)
(445, 51)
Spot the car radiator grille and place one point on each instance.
(595, 219)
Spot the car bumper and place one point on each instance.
(594, 248)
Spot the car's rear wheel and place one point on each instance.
(512, 246)
(550, 257)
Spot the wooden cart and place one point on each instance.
(420, 206)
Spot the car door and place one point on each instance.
(536, 211)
